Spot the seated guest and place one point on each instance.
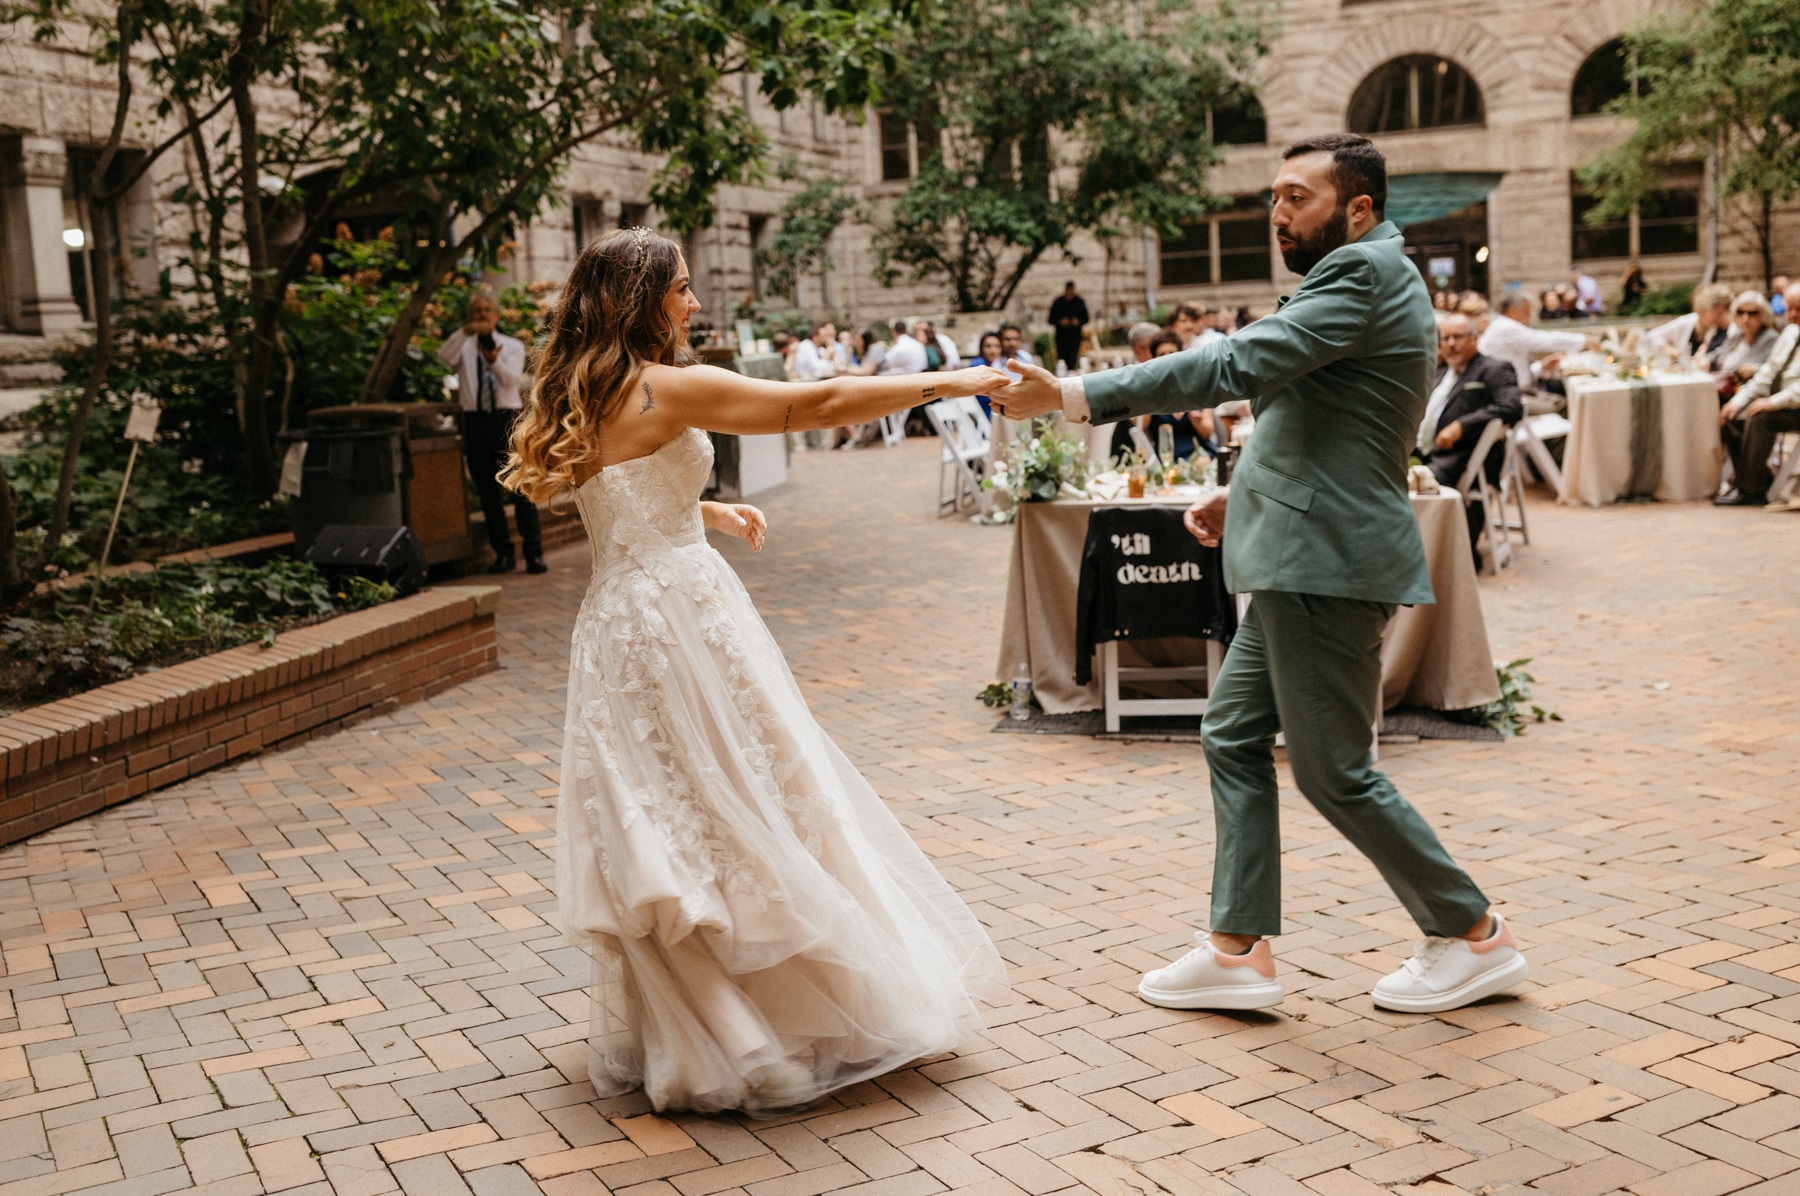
(989, 352)
(1012, 344)
(1209, 329)
(1697, 335)
(1186, 323)
(1778, 299)
(1475, 306)
(1763, 408)
(1193, 429)
(1510, 338)
(1470, 390)
(1752, 336)
(906, 355)
(1140, 338)
(1550, 306)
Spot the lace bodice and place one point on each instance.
(648, 503)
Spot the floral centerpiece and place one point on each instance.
(1039, 468)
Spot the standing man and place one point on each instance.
(1511, 338)
(489, 365)
(1068, 315)
(1323, 537)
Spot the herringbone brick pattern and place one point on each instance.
(335, 968)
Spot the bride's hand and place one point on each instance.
(740, 520)
(976, 380)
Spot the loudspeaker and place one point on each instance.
(379, 552)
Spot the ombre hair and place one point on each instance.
(608, 324)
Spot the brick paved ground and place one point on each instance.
(333, 968)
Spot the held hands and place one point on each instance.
(1035, 392)
(740, 520)
(976, 380)
(1206, 518)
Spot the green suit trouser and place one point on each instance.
(1311, 666)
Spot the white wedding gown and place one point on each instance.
(763, 930)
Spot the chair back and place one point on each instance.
(1474, 477)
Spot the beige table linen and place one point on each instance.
(1597, 457)
(1434, 656)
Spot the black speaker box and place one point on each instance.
(380, 553)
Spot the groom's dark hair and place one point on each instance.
(1357, 167)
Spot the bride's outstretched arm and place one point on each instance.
(722, 401)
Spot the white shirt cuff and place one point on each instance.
(1074, 400)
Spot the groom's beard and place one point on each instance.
(1310, 251)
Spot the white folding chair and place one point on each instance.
(893, 429)
(984, 423)
(1531, 433)
(1112, 673)
(1789, 445)
(962, 456)
(1512, 488)
(1474, 488)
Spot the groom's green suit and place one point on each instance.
(1319, 530)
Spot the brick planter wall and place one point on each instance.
(67, 759)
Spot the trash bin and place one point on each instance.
(386, 464)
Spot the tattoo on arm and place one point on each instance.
(930, 392)
(649, 399)
(788, 418)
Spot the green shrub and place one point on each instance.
(55, 647)
(1663, 301)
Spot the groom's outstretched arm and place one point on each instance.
(1326, 319)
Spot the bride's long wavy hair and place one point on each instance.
(607, 325)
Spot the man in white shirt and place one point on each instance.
(1763, 408)
(1510, 338)
(816, 358)
(489, 367)
(906, 355)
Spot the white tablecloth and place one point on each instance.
(1597, 460)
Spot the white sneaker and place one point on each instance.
(1209, 979)
(1445, 974)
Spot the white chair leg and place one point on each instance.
(1109, 680)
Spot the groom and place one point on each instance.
(1322, 536)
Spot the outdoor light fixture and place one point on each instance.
(74, 238)
(1481, 255)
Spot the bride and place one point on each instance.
(762, 928)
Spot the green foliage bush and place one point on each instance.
(1663, 301)
(143, 621)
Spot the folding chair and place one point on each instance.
(961, 458)
(1112, 673)
(1512, 488)
(1788, 443)
(1474, 488)
(893, 429)
(1531, 433)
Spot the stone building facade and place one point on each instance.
(1481, 111)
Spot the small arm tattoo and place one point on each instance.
(788, 418)
(649, 399)
(930, 392)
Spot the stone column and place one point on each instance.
(39, 298)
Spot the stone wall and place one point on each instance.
(67, 759)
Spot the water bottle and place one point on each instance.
(1020, 711)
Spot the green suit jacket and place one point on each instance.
(1338, 378)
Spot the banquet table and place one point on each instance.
(1435, 656)
(1641, 438)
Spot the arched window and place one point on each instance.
(1608, 74)
(1419, 91)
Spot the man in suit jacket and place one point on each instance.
(1470, 390)
(1321, 533)
(489, 367)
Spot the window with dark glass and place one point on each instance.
(896, 147)
(1419, 91)
(1187, 258)
(1611, 239)
(1238, 120)
(1669, 222)
(1244, 247)
(1604, 77)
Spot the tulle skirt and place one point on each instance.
(763, 930)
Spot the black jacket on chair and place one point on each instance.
(1487, 390)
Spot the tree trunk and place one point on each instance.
(1710, 237)
(390, 358)
(100, 304)
(257, 370)
(1765, 239)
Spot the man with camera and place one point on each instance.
(489, 367)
